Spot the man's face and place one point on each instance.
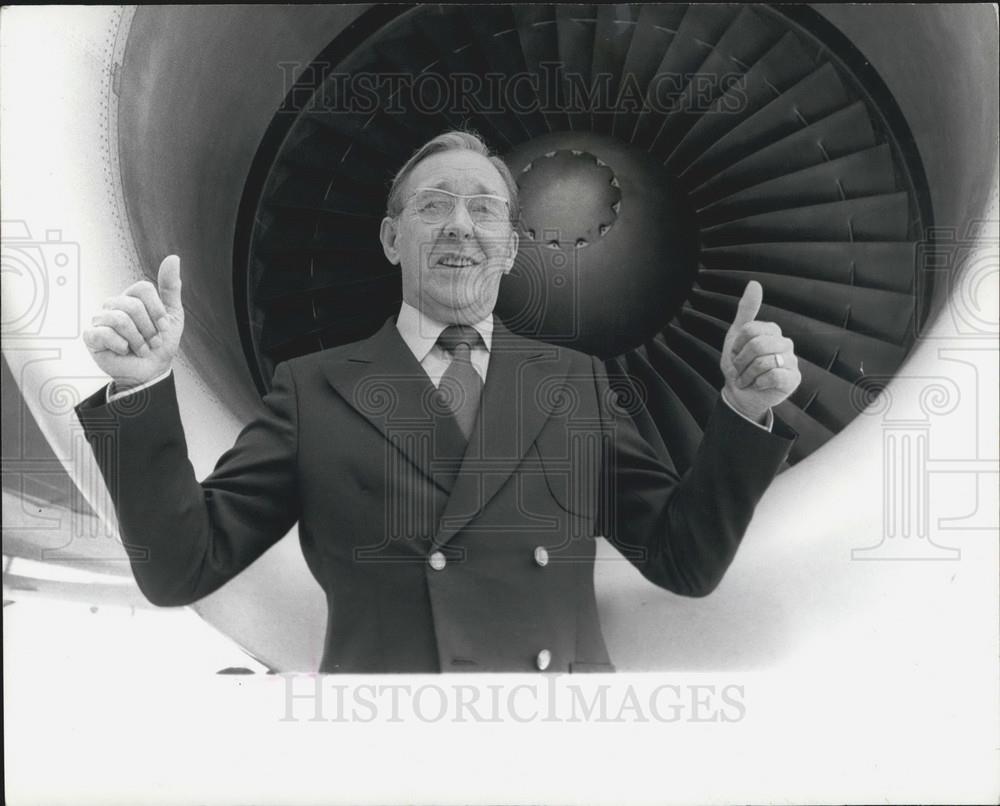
(451, 269)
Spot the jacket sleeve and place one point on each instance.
(682, 532)
(186, 539)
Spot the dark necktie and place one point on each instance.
(461, 387)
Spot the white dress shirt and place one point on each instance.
(115, 395)
(420, 333)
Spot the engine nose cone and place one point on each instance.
(608, 243)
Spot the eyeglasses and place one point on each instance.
(434, 206)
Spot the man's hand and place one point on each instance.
(136, 335)
(758, 363)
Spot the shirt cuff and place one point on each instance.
(768, 423)
(124, 393)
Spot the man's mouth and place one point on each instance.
(457, 262)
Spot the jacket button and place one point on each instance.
(541, 557)
(543, 660)
(437, 561)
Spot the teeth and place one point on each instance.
(457, 263)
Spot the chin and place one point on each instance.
(458, 311)
(465, 304)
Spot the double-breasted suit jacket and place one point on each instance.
(435, 554)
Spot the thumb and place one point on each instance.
(746, 312)
(168, 280)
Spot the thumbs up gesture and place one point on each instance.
(758, 363)
(136, 335)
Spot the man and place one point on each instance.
(447, 476)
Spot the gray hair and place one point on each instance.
(450, 141)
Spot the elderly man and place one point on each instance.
(448, 477)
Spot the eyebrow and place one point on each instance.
(482, 189)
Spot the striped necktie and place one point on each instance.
(461, 387)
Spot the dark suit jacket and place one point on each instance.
(354, 447)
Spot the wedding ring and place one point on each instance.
(779, 361)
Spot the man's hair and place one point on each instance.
(450, 141)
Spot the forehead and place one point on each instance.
(458, 171)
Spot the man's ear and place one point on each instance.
(387, 235)
(514, 241)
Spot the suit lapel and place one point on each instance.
(382, 380)
(522, 385)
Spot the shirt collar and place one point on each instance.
(421, 333)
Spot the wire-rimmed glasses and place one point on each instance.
(435, 206)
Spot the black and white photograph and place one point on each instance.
(501, 403)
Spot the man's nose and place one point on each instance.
(459, 224)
